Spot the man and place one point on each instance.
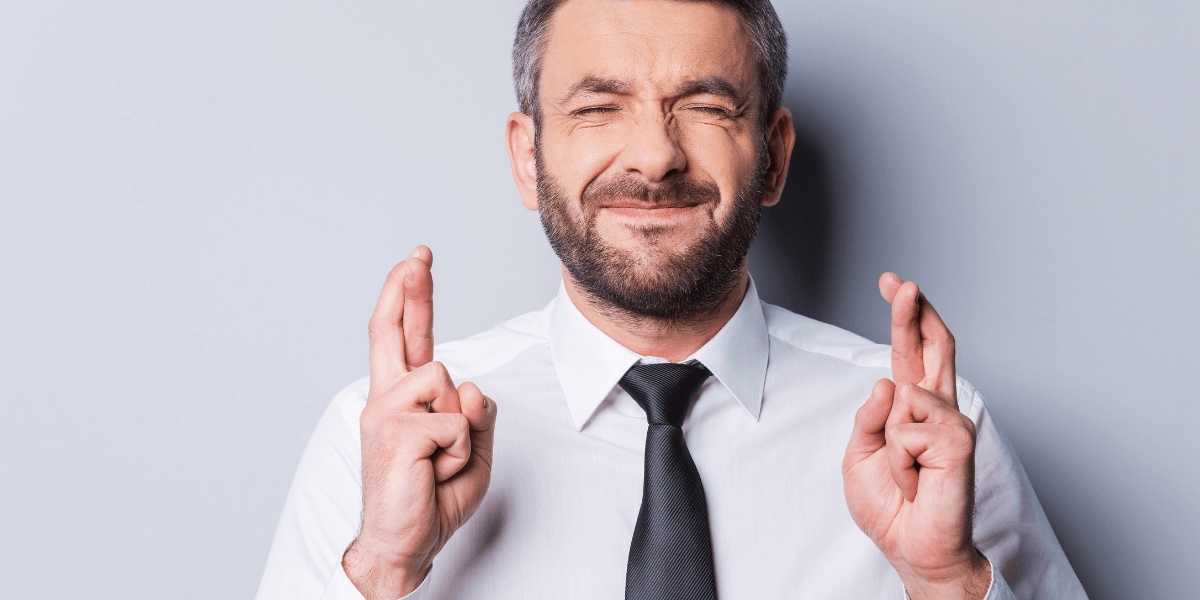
(657, 431)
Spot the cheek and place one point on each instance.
(579, 157)
(721, 155)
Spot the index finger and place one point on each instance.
(908, 365)
(922, 345)
(386, 343)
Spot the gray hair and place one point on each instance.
(758, 18)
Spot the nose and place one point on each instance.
(653, 150)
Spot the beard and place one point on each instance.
(662, 283)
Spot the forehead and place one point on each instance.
(654, 44)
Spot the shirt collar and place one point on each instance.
(589, 363)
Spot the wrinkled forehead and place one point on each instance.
(654, 45)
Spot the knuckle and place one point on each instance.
(890, 431)
(423, 374)
(369, 415)
(961, 437)
(374, 327)
(366, 423)
(438, 370)
(970, 426)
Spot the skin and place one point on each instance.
(619, 95)
(426, 444)
(909, 469)
(652, 126)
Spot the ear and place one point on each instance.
(519, 138)
(781, 137)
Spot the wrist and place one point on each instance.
(969, 580)
(379, 577)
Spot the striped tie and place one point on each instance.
(671, 553)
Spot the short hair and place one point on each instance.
(758, 17)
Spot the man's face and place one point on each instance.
(650, 157)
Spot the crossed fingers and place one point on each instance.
(401, 328)
(922, 345)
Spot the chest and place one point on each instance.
(562, 505)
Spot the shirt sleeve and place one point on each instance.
(997, 588)
(340, 588)
(1010, 527)
(323, 510)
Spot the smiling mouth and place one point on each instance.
(631, 204)
(644, 214)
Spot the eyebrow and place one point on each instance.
(593, 84)
(596, 85)
(709, 85)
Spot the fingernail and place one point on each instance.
(415, 252)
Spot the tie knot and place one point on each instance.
(665, 390)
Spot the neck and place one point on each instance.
(674, 341)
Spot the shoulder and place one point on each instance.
(464, 359)
(812, 336)
(485, 352)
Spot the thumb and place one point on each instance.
(869, 422)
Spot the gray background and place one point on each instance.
(199, 201)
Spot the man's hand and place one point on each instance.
(426, 446)
(909, 471)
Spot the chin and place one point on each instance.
(658, 240)
(655, 256)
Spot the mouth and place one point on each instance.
(647, 205)
(641, 210)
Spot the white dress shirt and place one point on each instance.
(767, 432)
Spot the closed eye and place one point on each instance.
(593, 110)
(714, 110)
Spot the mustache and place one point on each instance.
(675, 191)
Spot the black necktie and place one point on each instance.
(671, 554)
